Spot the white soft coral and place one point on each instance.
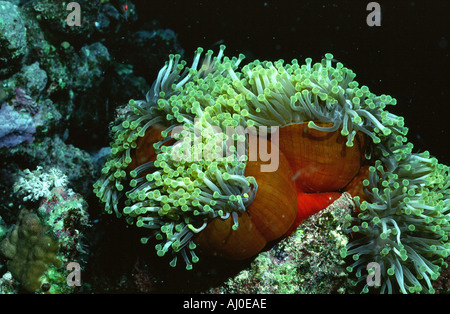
(37, 184)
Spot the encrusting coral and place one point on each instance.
(15, 127)
(30, 250)
(175, 170)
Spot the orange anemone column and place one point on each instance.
(266, 219)
(320, 161)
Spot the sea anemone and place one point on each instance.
(177, 170)
(405, 224)
(172, 196)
